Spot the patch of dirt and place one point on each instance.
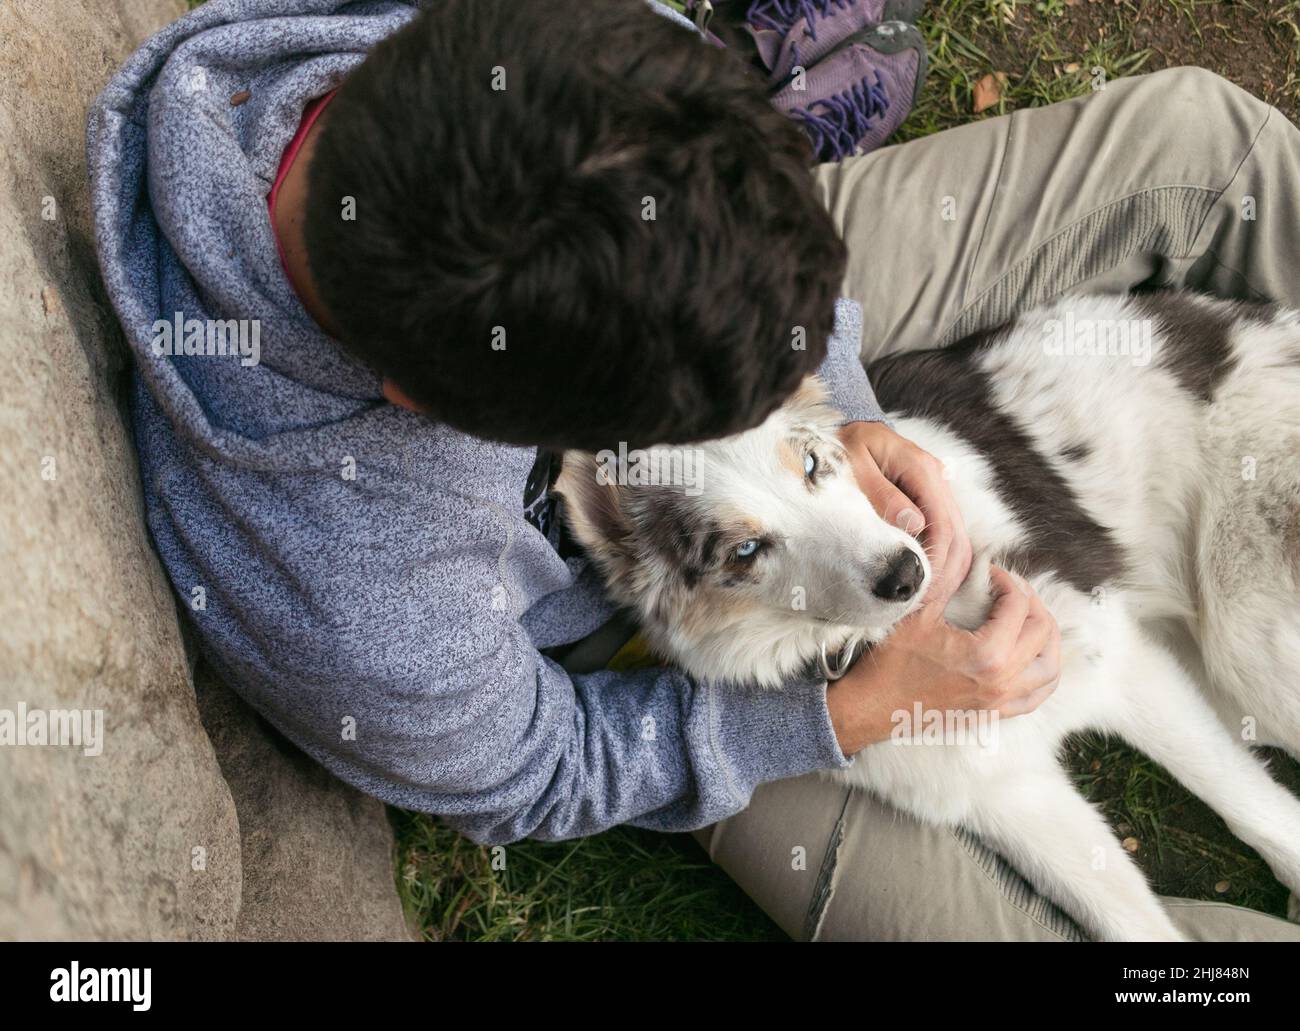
(1255, 45)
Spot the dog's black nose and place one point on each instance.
(902, 579)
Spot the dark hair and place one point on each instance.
(522, 208)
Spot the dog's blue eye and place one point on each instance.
(748, 550)
(809, 465)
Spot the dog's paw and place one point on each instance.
(1293, 908)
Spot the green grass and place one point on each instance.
(624, 885)
(635, 885)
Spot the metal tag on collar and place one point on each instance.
(843, 660)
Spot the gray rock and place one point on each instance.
(147, 839)
(318, 855)
(141, 841)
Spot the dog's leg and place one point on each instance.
(1169, 720)
(1048, 832)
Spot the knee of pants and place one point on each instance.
(1187, 103)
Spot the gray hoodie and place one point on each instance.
(366, 578)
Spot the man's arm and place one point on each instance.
(500, 741)
(384, 634)
(649, 747)
(842, 370)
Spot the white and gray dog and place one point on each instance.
(1137, 458)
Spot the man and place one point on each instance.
(471, 238)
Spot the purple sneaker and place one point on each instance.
(790, 33)
(854, 98)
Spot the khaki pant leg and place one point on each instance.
(1178, 178)
(833, 863)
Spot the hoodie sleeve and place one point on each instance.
(503, 744)
(565, 757)
(842, 370)
(471, 723)
(379, 636)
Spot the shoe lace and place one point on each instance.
(845, 118)
(781, 14)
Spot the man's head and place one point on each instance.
(575, 224)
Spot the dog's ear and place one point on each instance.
(810, 398)
(810, 406)
(592, 507)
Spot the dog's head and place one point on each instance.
(743, 557)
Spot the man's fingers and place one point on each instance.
(1039, 680)
(937, 539)
(1035, 635)
(998, 635)
(1031, 701)
(895, 507)
(944, 537)
(1040, 651)
(946, 575)
(960, 554)
(1046, 667)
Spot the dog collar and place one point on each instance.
(843, 659)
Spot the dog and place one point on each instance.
(1136, 458)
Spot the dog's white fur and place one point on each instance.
(1202, 499)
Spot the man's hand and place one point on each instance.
(908, 488)
(1009, 666)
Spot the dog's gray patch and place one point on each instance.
(948, 385)
(1196, 339)
(680, 531)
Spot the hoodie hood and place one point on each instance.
(183, 147)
